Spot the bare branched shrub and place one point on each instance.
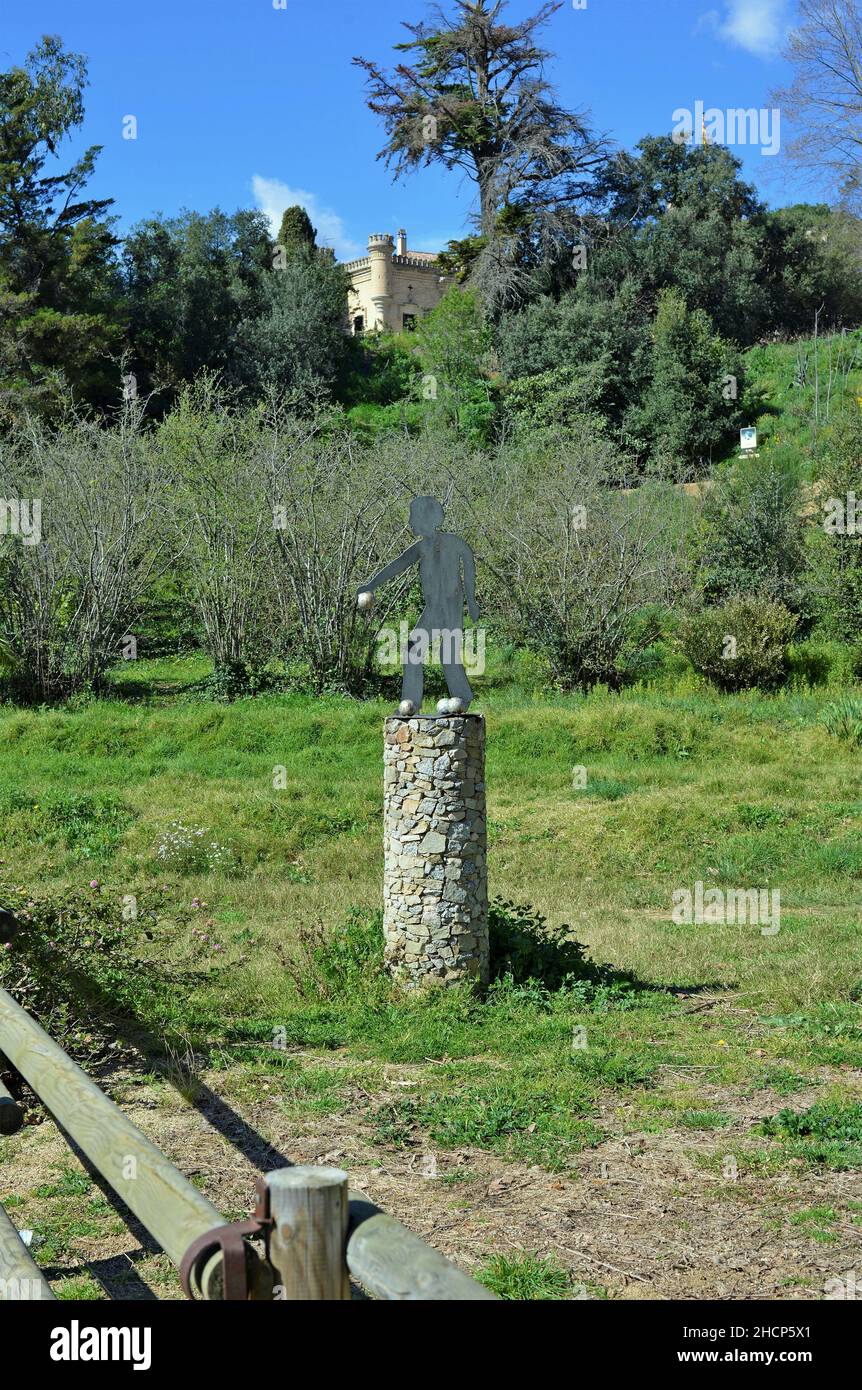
(330, 512)
(340, 511)
(221, 527)
(575, 554)
(69, 589)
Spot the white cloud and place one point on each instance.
(758, 26)
(272, 197)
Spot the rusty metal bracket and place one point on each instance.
(232, 1240)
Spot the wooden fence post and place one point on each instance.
(307, 1245)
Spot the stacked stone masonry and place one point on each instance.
(435, 887)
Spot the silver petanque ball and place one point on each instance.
(407, 708)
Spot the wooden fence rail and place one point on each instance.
(317, 1233)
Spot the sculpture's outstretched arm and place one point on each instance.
(392, 570)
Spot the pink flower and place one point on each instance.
(94, 883)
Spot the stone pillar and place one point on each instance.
(435, 878)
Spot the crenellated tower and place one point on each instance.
(380, 248)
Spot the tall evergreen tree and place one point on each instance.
(296, 231)
(474, 97)
(59, 287)
(687, 411)
(684, 219)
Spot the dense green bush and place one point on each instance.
(555, 399)
(382, 372)
(686, 413)
(753, 539)
(453, 344)
(741, 645)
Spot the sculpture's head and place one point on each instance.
(426, 516)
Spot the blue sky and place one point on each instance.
(241, 104)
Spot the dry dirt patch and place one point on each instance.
(639, 1217)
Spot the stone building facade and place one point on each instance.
(393, 287)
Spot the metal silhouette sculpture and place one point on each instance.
(447, 572)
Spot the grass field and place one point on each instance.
(686, 1122)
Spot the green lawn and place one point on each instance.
(746, 792)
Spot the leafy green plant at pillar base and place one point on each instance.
(348, 964)
(342, 965)
(524, 945)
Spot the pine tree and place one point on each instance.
(475, 98)
(296, 231)
(59, 281)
